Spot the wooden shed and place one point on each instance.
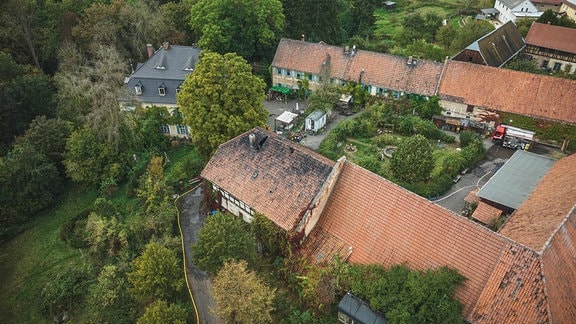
(316, 120)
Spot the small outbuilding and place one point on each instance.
(316, 120)
(285, 121)
(352, 310)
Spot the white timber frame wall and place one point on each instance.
(234, 205)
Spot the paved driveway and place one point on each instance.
(191, 220)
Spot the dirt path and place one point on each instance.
(191, 220)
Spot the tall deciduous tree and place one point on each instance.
(240, 296)
(412, 161)
(125, 25)
(223, 237)
(161, 312)
(221, 99)
(318, 20)
(25, 93)
(246, 27)
(108, 297)
(28, 181)
(156, 274)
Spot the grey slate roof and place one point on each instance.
(511, 3)
(359, 311)
(167, 68)
(498, 46)
(516, 179)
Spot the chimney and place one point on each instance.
(303, 38)
(252, 139)
(150, 49)
(165, 46)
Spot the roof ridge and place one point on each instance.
(560, 225)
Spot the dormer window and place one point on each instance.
(162, 90)
(138, 88)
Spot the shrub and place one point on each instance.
(385, 140)
(467, 137)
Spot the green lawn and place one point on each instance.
(30, 258)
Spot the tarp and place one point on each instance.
(286, 117)
(280, 89)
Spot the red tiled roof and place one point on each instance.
(553, 37)
(551, 2)
(472, 196)
(386, 224)
(381, 70)
(559, 269)
(536, 220)
(278, 180)
(522, 93)
(486, 213)
(515, 291)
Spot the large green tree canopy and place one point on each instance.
(223, 238)
(249, 28)
(413, 159)
(221, 99)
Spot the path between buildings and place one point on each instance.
(191, 220)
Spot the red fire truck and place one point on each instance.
(513, 137)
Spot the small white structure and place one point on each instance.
(285, 121)
(510, 10)
(316, 120)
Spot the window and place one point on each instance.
(310, 77)
(298, 76)
(165, 129)
(278, 71)
(182, 129)
(288, 72)
(179, 89)
(544, 65)
(557, 67)
(162, 90)
(469, 108)
(138, 88)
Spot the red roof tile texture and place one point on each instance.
(279, 179)
(386, 224)
(559, 269)
(527, 94)
(553, 37)
(472, 196)
(486, 214)
(515, 291)
(536, 220)
(381, 70)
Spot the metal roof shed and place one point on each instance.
(515, 180)
(285, 120)
(316, 120)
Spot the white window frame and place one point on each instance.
(138, 89)
(162, 91)
(165, 129)
(182, 129)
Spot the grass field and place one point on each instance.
(28, 260)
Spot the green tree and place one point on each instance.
(417, 26)
(318, 20)
(467, 137)
(428, 108)
(25, 93)
(470, 33)
(223, 237)
(221, 100)
(48, 136)
(156, 274)
(106, 235)
(29, 183)
(234, 283)
(413, 161)
(553, 18)
(160, 312)
(247, 28)
(524, 25)
(108, 297)
(88, 161)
